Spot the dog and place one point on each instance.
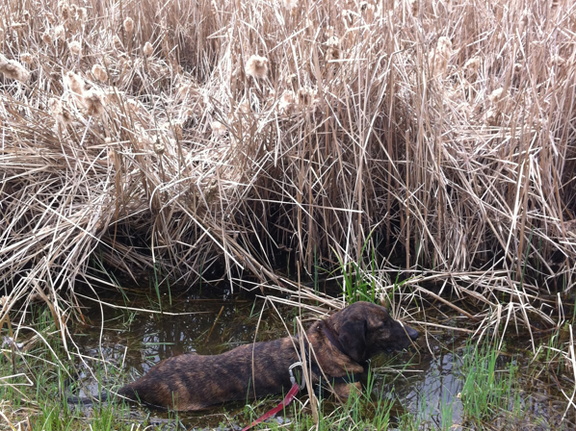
(337, 349)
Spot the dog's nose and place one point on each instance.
(412, 333)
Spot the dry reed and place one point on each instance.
(189, 135)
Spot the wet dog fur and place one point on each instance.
(339, 346)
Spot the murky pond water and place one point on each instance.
(134, 341)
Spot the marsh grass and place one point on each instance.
(360, 412)
(490, 385)
(37, 381)
(200, 140)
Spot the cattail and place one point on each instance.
(257, 66)
(286, 100)
(348, 17)
(244, 107)
(159, 147)
(75, 84)
(218, 128)
(99, 73)
(148, 49)
(61, 116)
(93, 102)
(91, 99)
(496, 95)
(471, 67)
(65, 10)
(47, 38)
(333, 51)
(13, 70)
(557, 60)
(494, 112)
(82, 13)
(444, 46)
(306, 96)
(128, 25)
(368, 10)
(117, 43)
(289, 4)
(75, 47)
(27, 58)
(438, 58)
(59, 32)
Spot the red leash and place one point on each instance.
(287, 399)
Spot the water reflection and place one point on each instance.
(433, 393)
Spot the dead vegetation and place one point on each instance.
(186, 135)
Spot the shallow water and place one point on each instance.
(432, 382)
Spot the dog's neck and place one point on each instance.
(330, 334)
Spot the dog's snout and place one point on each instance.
(412, 333)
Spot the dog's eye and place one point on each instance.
(382, 326)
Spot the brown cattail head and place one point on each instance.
(306, 96)
(27, 58)
(257, 67)
(13, 70)
(93, 102)
(59, 33)
(438, 58)
(128, 26)
(218, 128)
(289, 4)
(287, 100)
(471, 67)
(333, 50)
(148, 49)
(75, 47)
(99, 72)
(75, 84)
(65, 10)
(60, 114)
(117, 43)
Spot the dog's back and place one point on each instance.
(194, 382)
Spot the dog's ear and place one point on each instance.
(352, 337)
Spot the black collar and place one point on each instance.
(328, 331)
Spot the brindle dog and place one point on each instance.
(337, 347)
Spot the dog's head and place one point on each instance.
(364, 329)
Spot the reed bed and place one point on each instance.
(207, 137)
